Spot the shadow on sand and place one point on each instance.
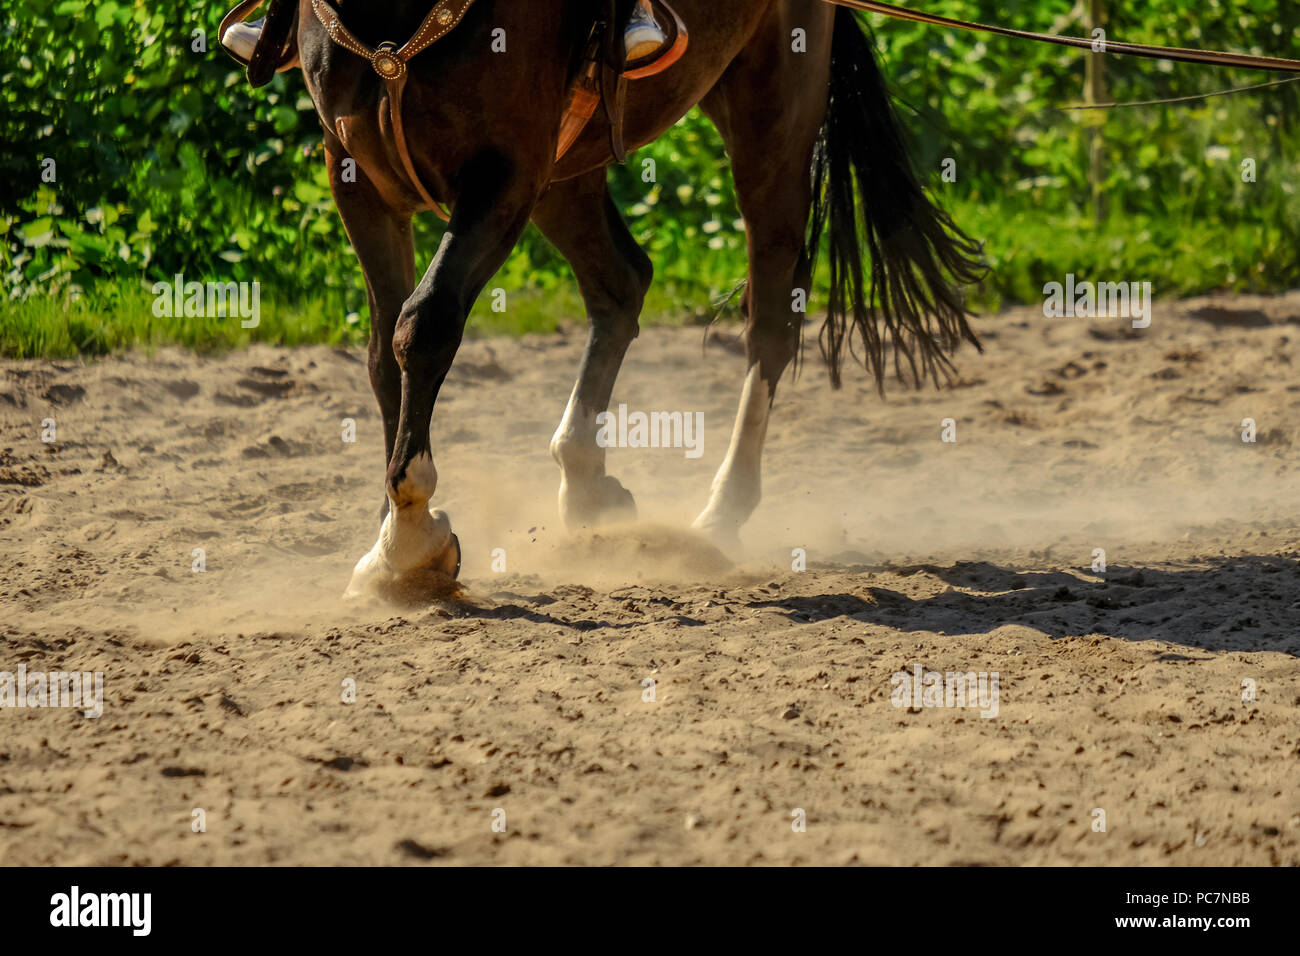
(1244, 603)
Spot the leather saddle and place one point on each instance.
(600, 80)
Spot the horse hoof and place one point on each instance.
(616, 502)
(417, 558)
(599, 502)
(723, 535)
(455, 545)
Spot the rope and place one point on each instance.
(1213, 57)
(1181, 99)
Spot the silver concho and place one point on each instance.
(387, 65)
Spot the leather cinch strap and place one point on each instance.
(1128, 49)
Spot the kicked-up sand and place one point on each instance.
(632, 695)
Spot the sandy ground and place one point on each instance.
(526, 704)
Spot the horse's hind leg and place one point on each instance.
(771, 149)
(580, 218)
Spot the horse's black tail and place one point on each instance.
(865, 189)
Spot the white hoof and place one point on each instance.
(722, 533)
(604, 501)
(416, 557)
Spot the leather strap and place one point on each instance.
(590, 88)
(613, 86)
(440, 21)
(584, 97)
(395, 88)
(389, 61)
(1112, 46)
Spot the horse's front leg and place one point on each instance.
(385, 248)
(416, 546)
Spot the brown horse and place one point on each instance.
(793, 88)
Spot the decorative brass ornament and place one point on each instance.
(386, 64)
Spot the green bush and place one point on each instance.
(1179, 212)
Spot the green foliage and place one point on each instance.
(1179, 212)
(167, 162)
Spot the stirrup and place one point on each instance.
(672, 49)
(241, 14)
